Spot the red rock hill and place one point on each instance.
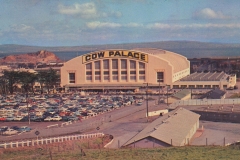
(40, 56)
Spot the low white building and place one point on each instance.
(173, 129)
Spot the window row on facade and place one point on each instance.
(115, 64)
(196, 86)
(118, 70)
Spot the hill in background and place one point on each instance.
(36, 57)
(190, 49)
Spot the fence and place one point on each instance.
(204, 102)
(42, 141)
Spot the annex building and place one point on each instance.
(175, 128)
(131, 69)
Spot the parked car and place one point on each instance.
(24, 129)
(65, 118)
(56, 118)
(18, 118)
(10, 131)
(32, 118)
(24, 119)
(2, 119)
(48, 118)
(10, 118)
(39, 119)
(72, 118)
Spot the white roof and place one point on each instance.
(178, 61)
(175, 125)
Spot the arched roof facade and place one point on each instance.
(124, 67)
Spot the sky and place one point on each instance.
(90, 22)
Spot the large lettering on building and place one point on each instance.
(114, 54)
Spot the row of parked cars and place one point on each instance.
(5, 130)
(64, 107)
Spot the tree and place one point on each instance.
(27, 80)
(52, 79)
(3, 85)
(11, 78)
(41, 78)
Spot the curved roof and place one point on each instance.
(178, 61)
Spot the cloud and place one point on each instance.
(132, 24)
(208, 13)
(192, 26)
(21, 28)
(97, 24)
(158, 26)
(115, 14)
(85, 10)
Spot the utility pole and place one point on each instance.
(28, 109)
(159, 92)
(167, 95)
(147, 99)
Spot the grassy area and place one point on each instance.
(172, 153)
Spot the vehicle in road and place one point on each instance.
(14, 127)
(139, 103)
(10, 131)
(3, 128)
(48, 118)
(24, 129)
(56, 118)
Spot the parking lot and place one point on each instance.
(91, 111)
(118, 115)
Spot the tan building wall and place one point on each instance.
(204, 84)
(190, 134)
(134, 68)
(174, 99)
(94, 65)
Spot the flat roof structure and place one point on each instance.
(217, 108)
(214, 94)
(181, 94)
(215, 76)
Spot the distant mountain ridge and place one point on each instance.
(36, 57)
(190, 49)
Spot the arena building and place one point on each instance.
(131, 69)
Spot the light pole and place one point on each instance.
(167, 94)
(159, 92)
(147, 99)
(28, 109)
